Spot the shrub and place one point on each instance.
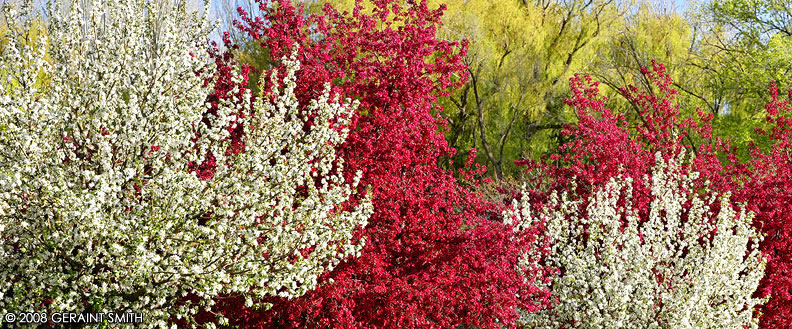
(102, 206)
(693, 262)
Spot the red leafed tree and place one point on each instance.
(768, 192)
(605, 144)
(436, 255)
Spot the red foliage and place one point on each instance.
(768, 192)
(604, 145)
(223, 83)
(436, 255)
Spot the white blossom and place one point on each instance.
(98, 203)
(669, 271)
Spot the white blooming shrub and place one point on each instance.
(99, 208)
(669, 271)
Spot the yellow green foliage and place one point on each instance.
(520, 58)
(33, 36)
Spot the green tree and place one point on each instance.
(520, 56)
(656, 31)
(758, 43)
(754, 41)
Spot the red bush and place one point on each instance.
(768, 192)
(436, 255)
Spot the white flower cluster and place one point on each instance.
(672, 271)
(99, 209)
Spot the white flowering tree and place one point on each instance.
(670, 271)
(99, 207)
